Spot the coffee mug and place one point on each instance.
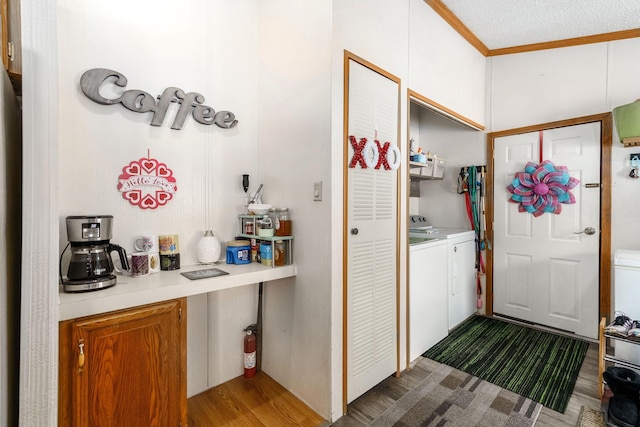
(117, 266)
(146, 243)
(154, 262)
(169, 262)
(169, 244)
(140, 264)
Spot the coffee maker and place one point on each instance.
(91, 267)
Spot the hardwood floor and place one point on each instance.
(258, 401)
(261, 401)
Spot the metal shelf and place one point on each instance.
(287, 240)
(605, 357)
(423, 168)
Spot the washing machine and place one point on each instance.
(626, 297)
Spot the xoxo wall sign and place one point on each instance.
(143, 102)
(373, 154)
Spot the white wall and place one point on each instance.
(377, 32)
(550, 85)
(38, 389)
(199, 46)
(294, 151)
(459, 146)
(443, 66)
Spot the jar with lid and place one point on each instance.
(273, 215)
(264, 227)
(284, 223)
(279, 255)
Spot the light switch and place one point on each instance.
(317, 191)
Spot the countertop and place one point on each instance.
(419, 237)
(165, 285)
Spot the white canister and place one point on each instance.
(208, 251)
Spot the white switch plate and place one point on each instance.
(317, 191)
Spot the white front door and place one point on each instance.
(372, 200)
(546, 269)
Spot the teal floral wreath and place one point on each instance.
(542, 188)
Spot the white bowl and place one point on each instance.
(258, 209)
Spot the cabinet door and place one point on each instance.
(11, 37)
(427, 297)
(462, 281)
(125, 368)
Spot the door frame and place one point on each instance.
(606, 138)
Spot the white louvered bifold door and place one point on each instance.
(371, 257)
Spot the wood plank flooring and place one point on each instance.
(261, 401)
(258, 401)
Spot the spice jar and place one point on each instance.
(284, 223)
(279, 256)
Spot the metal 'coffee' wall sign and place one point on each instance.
(143, 102)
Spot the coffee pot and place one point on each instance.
(91, 266)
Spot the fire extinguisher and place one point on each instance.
(249, 354)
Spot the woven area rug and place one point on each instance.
(538, 365)
(449, 397)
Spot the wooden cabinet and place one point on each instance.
(12, 40)
(125, 368)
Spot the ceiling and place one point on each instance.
(506, 24)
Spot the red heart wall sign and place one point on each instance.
(147, 183)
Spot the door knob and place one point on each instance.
(354, 231)
(588, 230)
